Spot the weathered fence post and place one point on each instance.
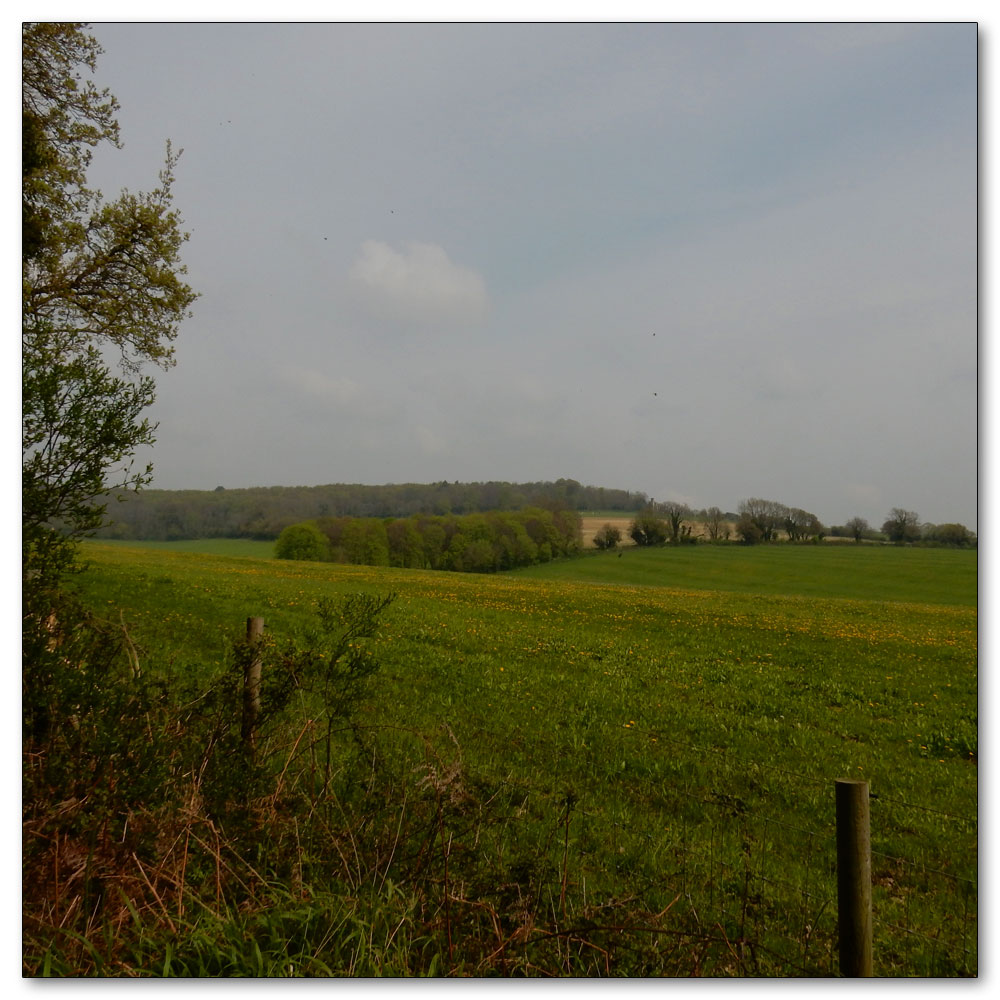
(251, 682)
(854, 878)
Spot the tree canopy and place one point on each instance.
(100, 279)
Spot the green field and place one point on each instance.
(637, 754)
(868, 572)
(205, 546)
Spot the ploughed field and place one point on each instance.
(655, 733)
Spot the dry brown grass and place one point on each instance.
(591, 525)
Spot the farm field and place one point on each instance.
(206, 546)
(869, 572)
(639, 753)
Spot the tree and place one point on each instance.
(366, 542)
(303, 541)
(715, 524)
(675, 514)
(648, 528)
(97, 277)
(607, 537)
(951, 534)
(857, 527)
(766, 516)
(405, 544)
(748, 530)
(799, 525)
(902, 525)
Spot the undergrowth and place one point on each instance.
(163, 837)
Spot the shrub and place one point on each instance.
(648, 528)
(607, 537)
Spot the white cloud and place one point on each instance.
(419, 283)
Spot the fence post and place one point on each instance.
(854, 878)
(251, 682)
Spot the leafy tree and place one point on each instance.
(748, 530)
(365, 542)
(951, 534)
(607, 537)
(303, 541)
(766, 516)
(97, 278)
(541, 527)
(434, 539)
(902, 525)
(799, 524)
(857, 528)
(511, 542)
(405, 544)
(77, 420)
(648, 528)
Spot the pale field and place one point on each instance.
(591, 525)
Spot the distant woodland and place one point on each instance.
(264, 512)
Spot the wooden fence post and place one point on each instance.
(251, 682)
(854, 878)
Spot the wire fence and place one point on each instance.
(750, 855)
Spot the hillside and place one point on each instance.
(263, 512)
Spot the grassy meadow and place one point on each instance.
(616, 765)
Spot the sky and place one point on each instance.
(706, 261)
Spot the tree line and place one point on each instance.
(263, 512)
(470, 543)
(761, 521)
(905, 526)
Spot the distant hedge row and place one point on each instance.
(470, 543)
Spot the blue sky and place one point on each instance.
(705, 261)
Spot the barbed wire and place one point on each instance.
(925, 868)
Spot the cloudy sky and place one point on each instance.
(705, 261)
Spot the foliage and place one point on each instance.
(607, 537)
(858, 528)
(98, 279)
(648, 528)
(957, 535)
(800, 525)
(302, 541)
(763, 520)
(902, 525)
(676, 513)
(263, 512)
(118, 754)
(95, 276)
(473, 543)
(78, 420)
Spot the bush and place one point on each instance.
(748, 531)
(648, 528)
(607, 537)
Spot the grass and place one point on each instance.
(208, 546)
(626, 765)
(868, 572)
